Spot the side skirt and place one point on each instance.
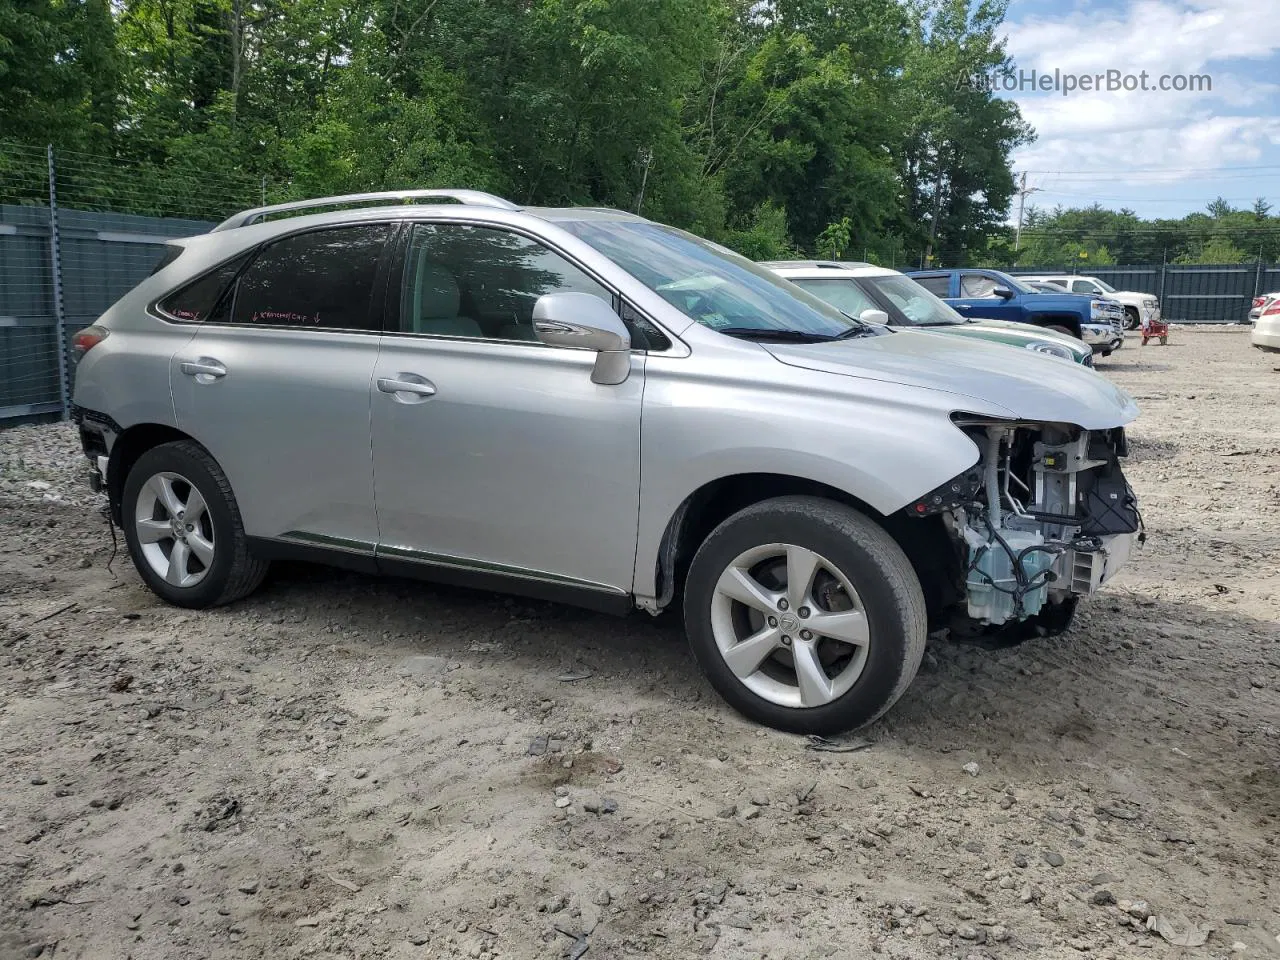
(354, 555)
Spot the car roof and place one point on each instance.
(821, 269)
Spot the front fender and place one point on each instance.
(881, 443)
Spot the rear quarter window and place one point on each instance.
(198, 300)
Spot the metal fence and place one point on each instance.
(59, 270)
(1200, 293)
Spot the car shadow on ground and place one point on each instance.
(1118, 366)
(1050, 700)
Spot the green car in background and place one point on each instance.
(856, 288)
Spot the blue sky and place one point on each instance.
(1162, 154)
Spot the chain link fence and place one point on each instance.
(76, 232)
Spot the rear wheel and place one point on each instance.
(183, 528)
(805, 615)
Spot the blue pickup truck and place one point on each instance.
(993, 295)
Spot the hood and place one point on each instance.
(1068, 302)
(1026, 384)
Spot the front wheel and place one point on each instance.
(805, 615)
(183, 529)
(1131, 319)
(1059, 328)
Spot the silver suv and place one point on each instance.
(585, 406)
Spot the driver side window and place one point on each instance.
(977, 286)
(482, 282)
(464, 281)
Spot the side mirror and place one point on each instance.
(1004, 293)
(583, 321)
(874, 316)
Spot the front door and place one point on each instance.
(276, 384)
(493, 452)
(977, 298)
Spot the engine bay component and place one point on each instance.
(1044, 517)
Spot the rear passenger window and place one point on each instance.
(322, 279)
(197, 301)
(938, 286)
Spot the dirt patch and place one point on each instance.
(348, 767)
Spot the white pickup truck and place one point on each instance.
(1138, 307)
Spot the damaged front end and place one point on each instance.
(1043, 518)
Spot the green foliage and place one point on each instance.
(765, 237)
(778, 128)
(1214, 250)
(834, 241)
(1057, 238)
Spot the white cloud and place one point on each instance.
(1237, 42)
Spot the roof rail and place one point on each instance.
(817, 264)
(474, 197)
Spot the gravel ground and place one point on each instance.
(346, 767)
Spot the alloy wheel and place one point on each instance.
(790, 625)
(174, 529)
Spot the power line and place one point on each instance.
(1267, 166)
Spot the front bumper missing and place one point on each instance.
(98, 474)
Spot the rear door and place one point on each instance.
(276, 384)
(939, 284)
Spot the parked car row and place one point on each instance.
(998, 296)
(586, 406)
(881, 295)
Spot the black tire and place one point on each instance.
(877, 569)
(1131, 319)
(234, 571)
(1059, 328)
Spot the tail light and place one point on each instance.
(86, 339)
(1259, 301)
(1273, 310)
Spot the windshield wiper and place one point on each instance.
(785, 336)
(860, 331)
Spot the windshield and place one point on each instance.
(845, 294)
(711, 284)
(921, 307)
(1104, 285)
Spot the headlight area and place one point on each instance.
(1044, 518)
(1051, 349)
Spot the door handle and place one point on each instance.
(419, 387)
(204, 367)
(963, 306)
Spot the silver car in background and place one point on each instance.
(589, 407)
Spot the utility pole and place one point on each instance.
(646, 157)
(1022, 199)
(937, 212)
